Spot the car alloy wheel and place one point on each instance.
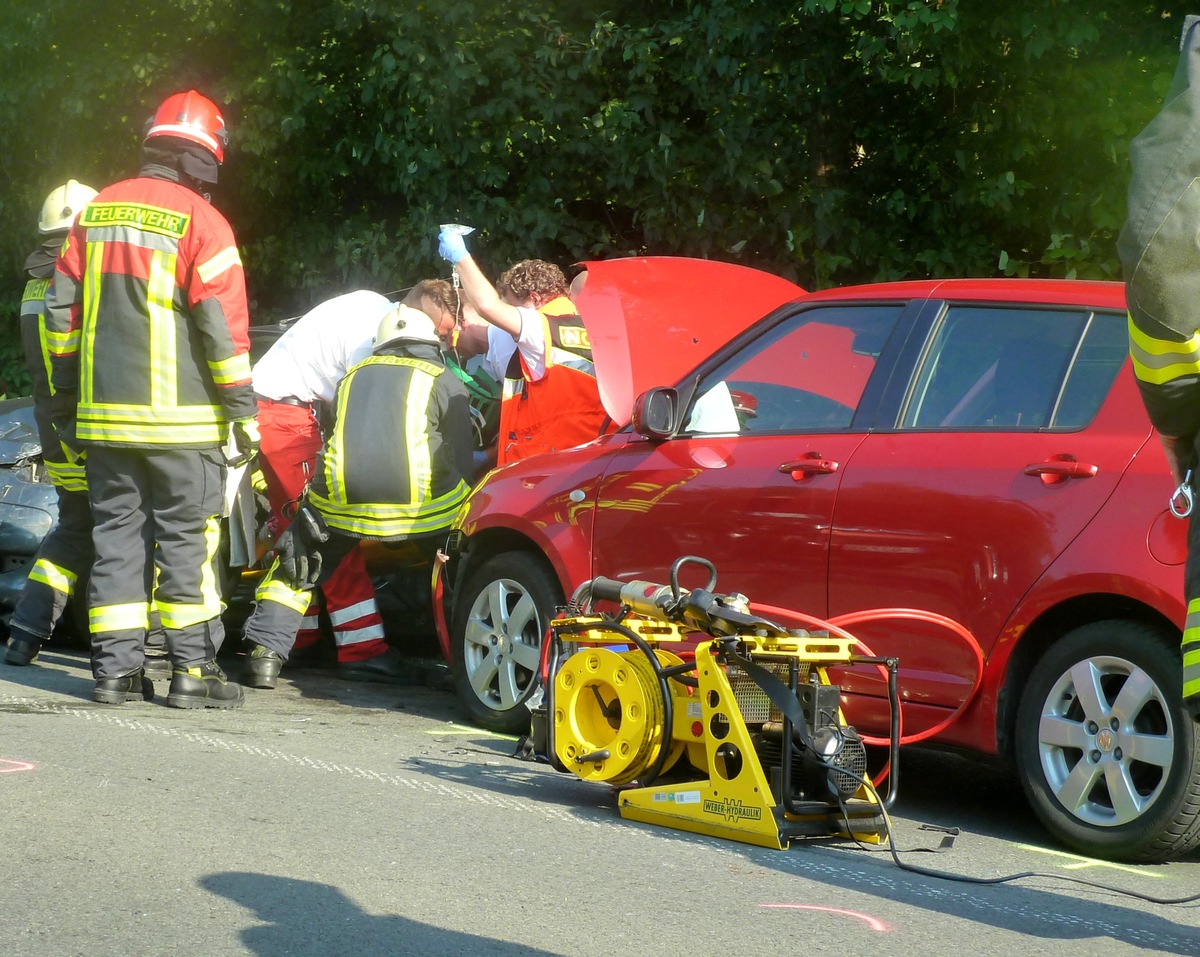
(1105, 748)
(501, 615)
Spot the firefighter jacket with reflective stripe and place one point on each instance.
(561, 409)
(1158, 250)
(147, 319)
(64, 473)
(396, 463)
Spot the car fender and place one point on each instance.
(543, 504)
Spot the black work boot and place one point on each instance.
(261, 667)
(134, 686)
(22, 647)
(203, 686)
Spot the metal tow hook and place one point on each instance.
(1183, 501)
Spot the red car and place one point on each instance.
(972, 448)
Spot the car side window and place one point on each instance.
(808, 373)
(1015, 369)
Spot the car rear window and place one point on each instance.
(1015, 369)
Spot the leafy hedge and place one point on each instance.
(831, 141)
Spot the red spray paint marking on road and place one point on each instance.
(873, 922)
(7, 766)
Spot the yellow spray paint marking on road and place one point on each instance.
(1078, 863)
(478, 732)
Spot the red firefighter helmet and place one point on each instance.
(192, 117)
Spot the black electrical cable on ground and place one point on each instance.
(1004, 879)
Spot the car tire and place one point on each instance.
(1106, 751)
(500, 617)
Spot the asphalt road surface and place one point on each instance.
(332, 818)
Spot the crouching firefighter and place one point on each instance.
(394, 468)
(1161, 264)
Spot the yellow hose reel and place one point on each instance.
(609, 721)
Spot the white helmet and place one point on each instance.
(405, 322)
(63, 205)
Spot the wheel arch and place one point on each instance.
(1047, 628)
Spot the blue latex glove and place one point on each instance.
(451, 246)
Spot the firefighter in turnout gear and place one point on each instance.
(1157, 247)
(147, 328)
(296, 382)
(66, 553)
(550, 399)
(394, 468)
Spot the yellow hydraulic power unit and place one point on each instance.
(708, 718)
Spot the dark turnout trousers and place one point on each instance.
(154, 508)
(64, 555)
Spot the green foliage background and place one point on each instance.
(830, 141)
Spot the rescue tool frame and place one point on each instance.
(754, 711)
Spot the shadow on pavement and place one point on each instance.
(305, 917)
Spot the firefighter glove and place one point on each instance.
(244, 433)
(451, 246)
(298, 549)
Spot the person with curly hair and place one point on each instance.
(538, 341)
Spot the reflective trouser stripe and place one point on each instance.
(353, 613)
(278, 614)
(59, 578)
(125, 617)
(274, 590)
(1191, 650)
(64, 555)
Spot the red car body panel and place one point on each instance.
(962, 524)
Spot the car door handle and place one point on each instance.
(1060, 469)
(812, 464)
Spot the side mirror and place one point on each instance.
(655, 412)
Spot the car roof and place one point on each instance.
(1097, 294)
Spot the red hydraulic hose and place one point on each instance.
(834, 626)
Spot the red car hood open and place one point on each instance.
(652, 319)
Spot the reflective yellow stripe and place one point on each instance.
(1160, 360)
(62, 343)
(416, 429)
(272, 589)
(164, 374)
(231, 370)
(71, 477)
(181, 614)
(86, 335)
(225, 259)
(209, 592)
(392, 521)
(198, 435)
(1191, 650)
(177, 615)
(170, 425)
(130, 616)
(60, 579)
